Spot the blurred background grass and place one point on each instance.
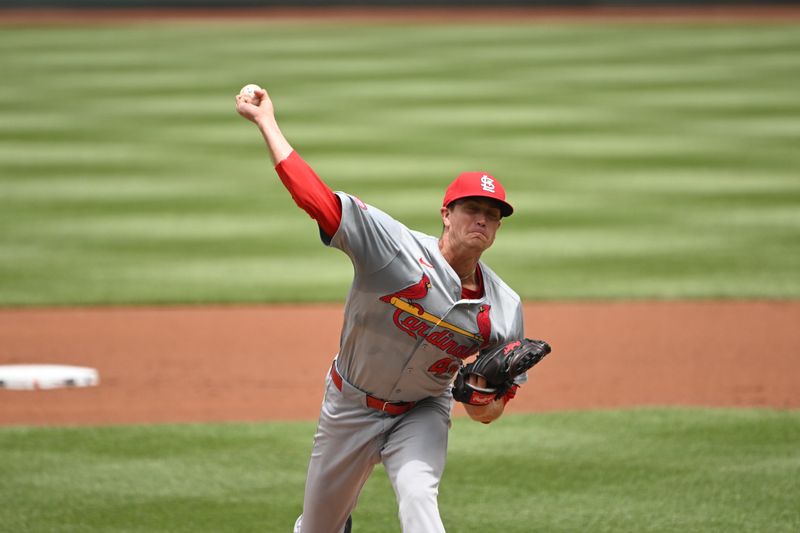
(645, 161)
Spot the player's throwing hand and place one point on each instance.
(254, 104)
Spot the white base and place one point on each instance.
(33, 377)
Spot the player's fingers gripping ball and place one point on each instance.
(498, 366)
(249, 91)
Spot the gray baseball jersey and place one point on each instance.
(406, 327)
(406, 330)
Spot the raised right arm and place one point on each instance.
(308, 191)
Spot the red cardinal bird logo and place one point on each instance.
(411, 318)
(416, 291)
(484, 324)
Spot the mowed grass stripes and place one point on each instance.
(644, 160)
(620, 471)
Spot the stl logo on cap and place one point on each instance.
(487, 183)
(477, 184)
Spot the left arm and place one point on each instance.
(492, 411)
(500, 368)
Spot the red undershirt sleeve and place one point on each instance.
(510, 394)
(310, 193)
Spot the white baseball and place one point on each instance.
(250, 90)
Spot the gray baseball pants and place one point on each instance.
(352, 438)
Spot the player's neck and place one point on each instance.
(464, 262)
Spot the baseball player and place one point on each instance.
(419, 306)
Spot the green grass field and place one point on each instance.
(646, 161)
(633, 471)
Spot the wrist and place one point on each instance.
(266, 123)
(277, 145)
(510, 394)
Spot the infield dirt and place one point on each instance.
(201, 364)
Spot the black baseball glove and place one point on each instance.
(498, 366)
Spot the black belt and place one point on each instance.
(393, 408)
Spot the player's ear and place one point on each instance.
(445, 212)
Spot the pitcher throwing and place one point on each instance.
(418, 308)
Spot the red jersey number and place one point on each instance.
(445, 366)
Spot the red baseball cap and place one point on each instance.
(477, 184)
